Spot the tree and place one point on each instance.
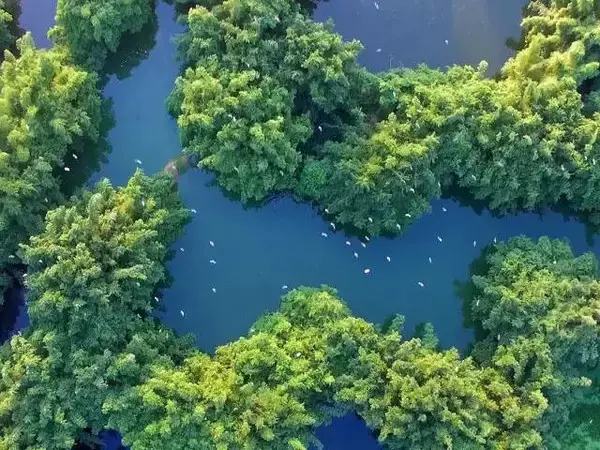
(91, 30)
(49, 111)
(93, 273)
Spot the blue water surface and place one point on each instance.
(259, 251)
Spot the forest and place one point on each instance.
(273, 102)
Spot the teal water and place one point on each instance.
(260, 250)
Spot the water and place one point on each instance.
(260, 250)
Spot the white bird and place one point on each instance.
(370, 219)
(156, 299)
(408, 215)
(40, 261)
(182, 313)
(320, 128)
(477, 302)
(298, 354)
(474, 243)
(430, 260)
(192, 210)
(67, 169)
(378, 50)
(212, 244)
(214, 290)
(367, 238)
(388, 259)
(326, 211)
(348, 243)
(332, 225)
(212, 261)
(495, 240)
(237, 169)
(143, 203)
(446, 41)
(363, 244)
(367, 271)
(412, 190)
(474, 177)
(74, 155)
(356, 255)
(324, 234)
(138, 162)
(420, 283)
(284, 287)
(182, 249)
(376, 5)
(498, 337)
(398, 226)
(439, 239)
(444, 209)
(46, 199)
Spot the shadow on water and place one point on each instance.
(133, 49)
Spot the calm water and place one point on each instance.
(260, 250)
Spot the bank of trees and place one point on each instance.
(93, 274)
(91, 29)
(51, 113)
(379, 148)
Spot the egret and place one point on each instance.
(237, 170)
(474, 177)
(477, 302)
(156, 299)
(324, 234)
(439, 239)
(420, 283)
(370, 219)
(332, 225)
(74, 155)
(412, 190)
(143, 203)
(376, 5)
(474, 243)
(348, 243)
(182, 249)
(367, 271)
(430, 260)
(67, 169)
(320, 128)
(388, 259)
(281, 172)
(363, 244)
(407, 215)
(367, 238)
(554, 262)
(356, 255)
(212, 244)
(214, 290)
(284, 287)
(398, 226)
(444, 209)
(378, 50)
(495, 240)
(182, 313)
(446, 41)
(138, 162)
(212, 261)
(40, 261)
(46, 199)
(498, 337)
(298, 354)
(326, 211)
(192, 210)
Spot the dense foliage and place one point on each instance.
(49, 111)
(8, 25)
(91, 29)
(93, 273)
(379, 148)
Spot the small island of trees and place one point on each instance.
(271, 101)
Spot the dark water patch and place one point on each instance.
(436, 32)
(348, 432)
(13, 312)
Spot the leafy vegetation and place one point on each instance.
(380, 147)
(50, 113)
(91, 29)
(93, 273)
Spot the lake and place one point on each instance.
(260, 250)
